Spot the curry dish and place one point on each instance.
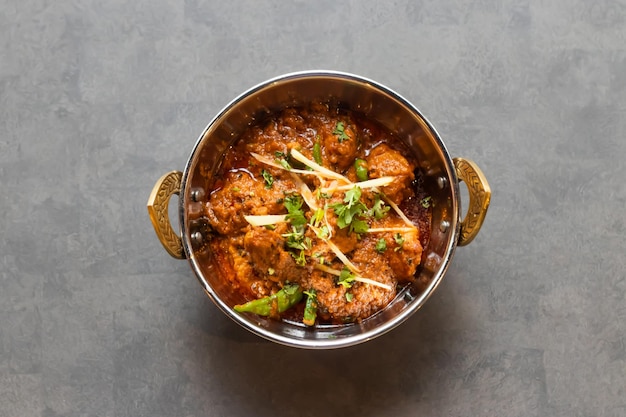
(318, 216)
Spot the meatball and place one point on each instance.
(245, 194)
(267, 256)
(340, 144)
(385, 161)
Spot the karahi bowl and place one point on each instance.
(442, 175)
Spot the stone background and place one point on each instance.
(98, 99)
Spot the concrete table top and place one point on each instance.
(99, 99)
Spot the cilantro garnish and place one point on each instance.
(378, 210)
(320, 257)
(346, 278)
(426, 201)
(299, 258)
(281, 158)
(399, 241)
(340, 132)
(349, 297)
(352, 196)
(293, 204)
(381, 245)
(349, 211)
(322, 195)
(359, 226)
(296, 240)
(269, 180)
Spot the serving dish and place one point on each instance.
(442, 175)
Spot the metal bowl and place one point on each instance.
(442, 175)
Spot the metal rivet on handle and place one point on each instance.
(197, 194)
(197, 238)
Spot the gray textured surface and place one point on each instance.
(98, 99)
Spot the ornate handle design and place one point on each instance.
(158, 202)
(479, 198)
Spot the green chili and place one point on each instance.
(310, 308)
(360, 165)
(287, 297)
(317, 153)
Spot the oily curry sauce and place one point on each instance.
(318, 215)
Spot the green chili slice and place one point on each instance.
(310, 308)
(287, 297)
(317, 153)
(360, 165)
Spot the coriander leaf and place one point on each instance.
(399, 241)
(349, 211)
(293, 204)
(359, 226)
(378, 210)
(299, 258)
(296, 239)
(352, 196)
(340, 210)
(296, 218)
(346, 278)
(291, 289)
(269, 180)
(347, 217)
(381, 245)
(320, 257)
(349, 297)
(281, 158)
(426, 201)
(340, 132)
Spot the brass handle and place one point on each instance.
(479, 198)
(158, 202)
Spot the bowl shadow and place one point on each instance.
(395, 371)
